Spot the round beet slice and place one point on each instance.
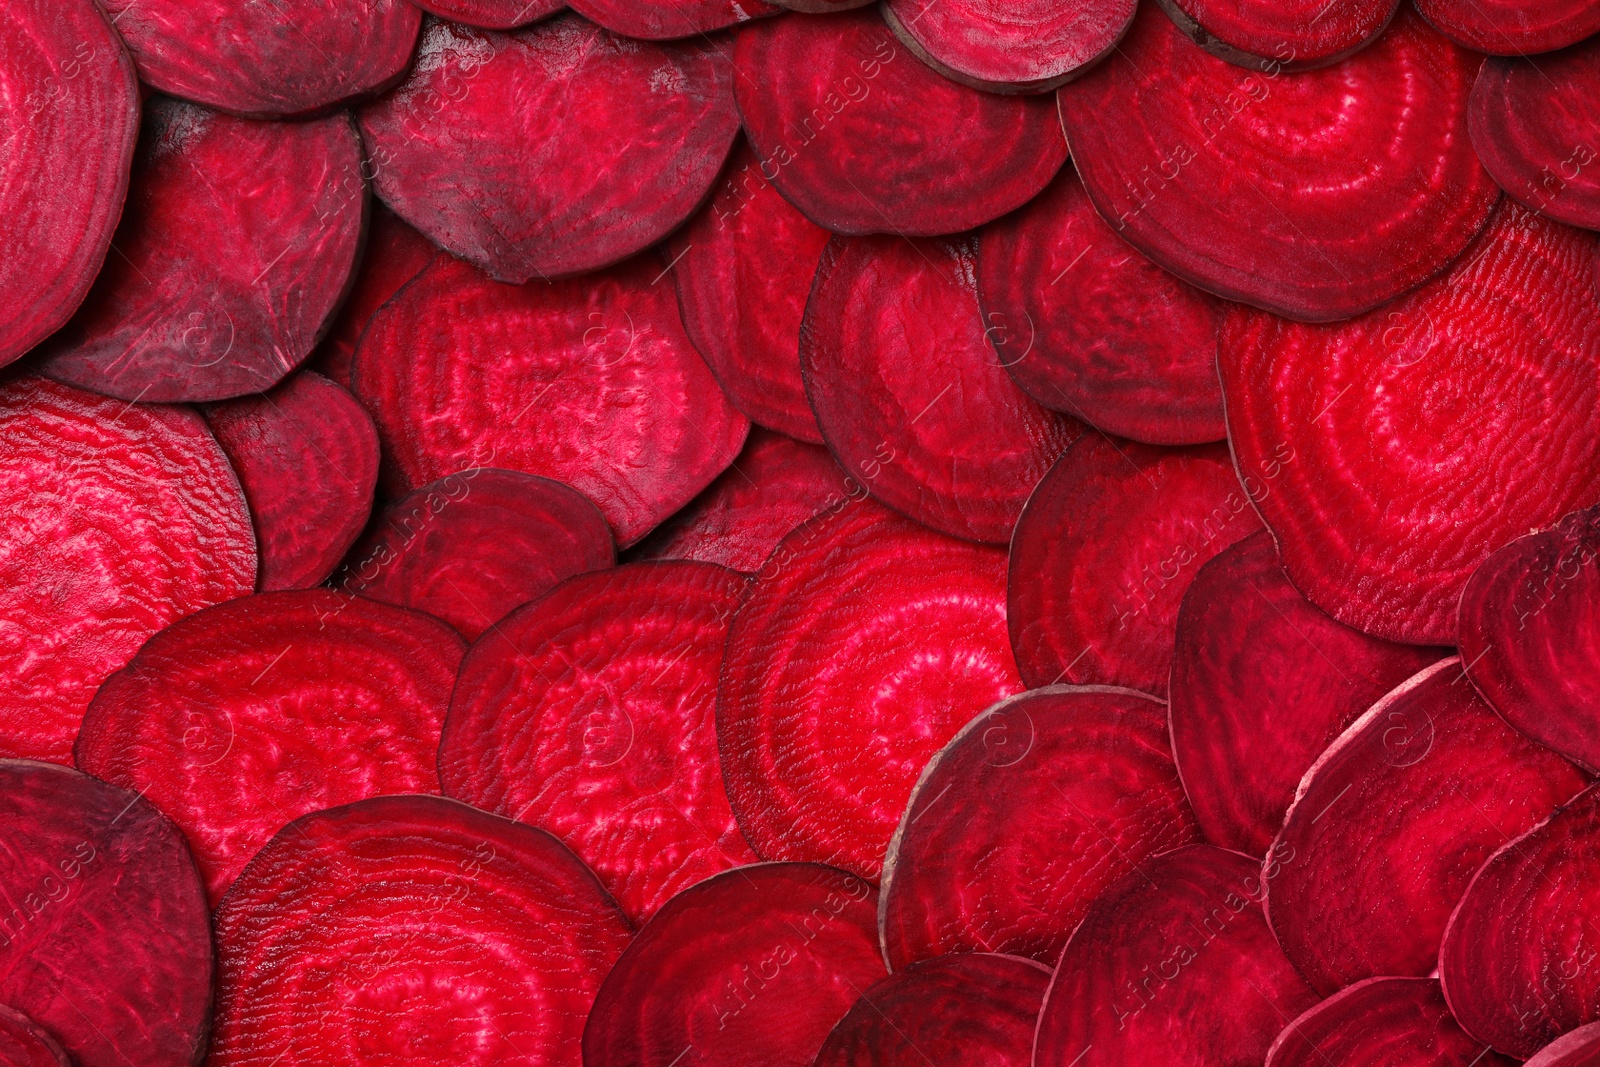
(486, 150)
(1262, 682)
(864, 138)
(1089, 327)
(1024, 818)
(590, 381)
(411, 929)
(826, 712)
(23, 1044)
(1580, 1048)
(1029, 47)
(892, 332)
(1104, 552)
(750, 967)
(492, 14)
(665, 20)
(1276, 35)
(1244, 182)
(1513, 27)
(105, 934)
(1414, 441)
(1381, 1022)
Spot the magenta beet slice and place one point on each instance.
(1580, 1048)
(815, 93)
(664, 20)
(1513, 27)
(1238, 180)
(1029, 47)
(105, 936)
(591, 382)
(1404, 447)
(1381, 1022)
(1275, 35)
(411, 929)
(23, 1044)
(1023, 820)
(492, 14)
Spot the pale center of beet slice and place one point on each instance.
(1281, 34)
(1381, 1022)
(1514, 27)
(1016, 46)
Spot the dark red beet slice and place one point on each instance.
(411, 929)
(1024, 818)
(863, 138)
(1274, 35)
(664, 20)
(237, 246)
(236, 720)
(1242, 182)
(1262, 682)
(482, 149)
(1580, 1048)
(826, 713)
(105, 936)
(591, 382)
(492, 14)
(1513, 27)
(1120, 343)
(751, 967)
(1104, 552)
(1381, 1022)
(23, 1044)
(1409, 444)
(1006, 47)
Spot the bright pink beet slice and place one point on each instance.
(1381, 1022)
(1024, 818)
(23, 1044)
(411, 929)
(1104, 552)
(1245, 184)
(665, 20)
(1513, 27)
(749, 968)
(492, 14)
(1027, 47)
(105, 937)
(864, 138)
(1274, 35)
(1414, 441)
(1580, 1048)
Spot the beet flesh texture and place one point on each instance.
(1414, 441)
(1381, 1022)
(411, 929)
(891, 332)
(1317, 197)
(492, 14)
(1010, 47)
(590, 381)
(665, 20)
(1513, 27)
(105, 934)
(1578, 1048)
(23, 1044)
(1024, 818)
(1296, 35)
(863, 138)
(591, 713)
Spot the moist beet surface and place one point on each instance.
(1381, 1022)
(24, 1044)
(1024, 818)
(1513, 27)
(1010, 47)
(492, 14)
(1317, 197)
(663, 20)
(1579, 1048)
(1268, 35)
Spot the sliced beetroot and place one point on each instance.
(411, 929)
(492, 14)
(1513, 27)
(1273, 35)
(483, 151)
(1409, 444)
(1240, 182)
(23, 1044)
(1008, 47)
(665, 20)
(591, 382)
(1381, 1022)
(1580, 1048)
(1024, 818)
(815, 93)
(106, 938)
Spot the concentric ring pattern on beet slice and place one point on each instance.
(1024, 818)
(1414, 441)
(590, 381)
(1580, 1048)
(492, 14)
(1381, 1022)
(106, 939)
(119, 519)
(554, 150)
(1513, 27)
(1019, 47)
(23, 1044)
(237, 719)
(909, 394)
(1277, 35)
(411, 929)
(1318, 196)
(864, 138)
(826, 714)
(664, 20)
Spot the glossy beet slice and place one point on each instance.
(1414, 441)
(591, 382)
(492, 14)
(23, 1044)
(1029, 47)
(1274, 35)
(1580, 1048)
(664, 20)
(1240, 182)
(411, 929)
(485, 152)
(1381, 1022)
(815, 93)
(105, 936)
(1513, 27)
(1024, 818)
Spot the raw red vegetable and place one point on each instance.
(1381, 1022)
(1513, 27)
(1029, 47)
(1271, 35)
(1579, 1048)
(492, 14)
(662, 20)
(23, 1044)
(822, 7)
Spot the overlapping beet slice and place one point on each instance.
(665, 20)
(23, 1044)
(1238, 180)
(864, 138)
(1580, 1048)
(1381, 1022)
(1513, 27)
(1272, 35)
(411, 928)
(492, 14)
(1028, 47)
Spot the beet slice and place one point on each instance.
(1513, 27)
(1580, 1048)
(1412, 442)
(825, 712)
(665, 20)
(1029, 48)
(591, 382)
(492, 14)
(1122, 344)
(23, 1044)
(1238, 180)
(815, 92)
(105, 934)
(891, 330)
(1024, 818)
(411, 929)
(750, 967)
(1274, 35)
(483, 151)
(1262, 682)
(1105, 550)
(1381, 1022)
